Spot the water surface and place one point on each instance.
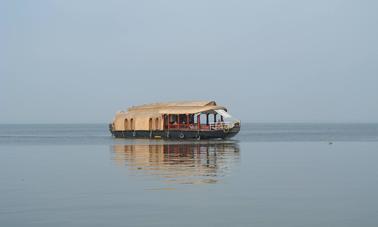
(269, 175)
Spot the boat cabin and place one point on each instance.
(175, 120)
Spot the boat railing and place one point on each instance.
(210, 126)
(183, 126)
(220, 125)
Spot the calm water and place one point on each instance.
(269, 175)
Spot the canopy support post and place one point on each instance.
(187, 120)
(199, 121)
(178, 120)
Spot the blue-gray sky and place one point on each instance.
(79, 61)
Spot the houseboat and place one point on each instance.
(175, 120)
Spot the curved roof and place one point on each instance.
(182, 107)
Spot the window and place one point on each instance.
(126, 124)
(156, 123)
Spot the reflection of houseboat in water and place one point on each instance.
(175, 120)
(179, 163)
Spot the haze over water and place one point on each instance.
(265, 61)
(269, 175)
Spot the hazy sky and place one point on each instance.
(73, 61)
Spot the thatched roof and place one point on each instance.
(142, 115)
(185, 107)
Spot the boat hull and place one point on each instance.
(177, 134)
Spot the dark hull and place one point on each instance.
(177, 134)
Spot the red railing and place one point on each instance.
(195, 126)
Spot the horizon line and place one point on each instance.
(265, 122)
